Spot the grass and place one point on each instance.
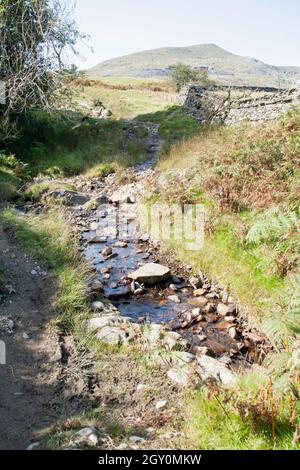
(58, 144)
(126, 97)
(175, 125)
(219, 168)
(36, 191)
(49, 239)
(252, 417)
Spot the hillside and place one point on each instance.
(223, 66)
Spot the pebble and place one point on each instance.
(174, 298)
(160, 405)
(136, 439)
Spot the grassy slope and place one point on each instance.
(223, 167)
(248, 180)
(126, 97)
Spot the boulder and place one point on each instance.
(151, 274)
(70, 198)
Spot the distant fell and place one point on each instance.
(223, 66)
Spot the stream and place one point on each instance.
(111, 244)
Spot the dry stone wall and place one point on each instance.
(230, 106)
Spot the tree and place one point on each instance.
(182, 75)
(35, 38)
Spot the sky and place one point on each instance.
(268, 30)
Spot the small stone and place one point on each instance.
(233, 332)
(199, 292)
(98, 306)
(144, 238)
(96, 286)
(120, 244)
(97, 240)
(136, 439)
(201, 350)
(86, 437)
(141, 387)
(222, 309)
(160, 405)
(174, 298)
(107, 251)
(232, 309)
(199, 301)
(173, 287)
(25, 336)
(195, 282)
(196, 312)
(255, 338)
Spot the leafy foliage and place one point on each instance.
(281, 229)
(182, 75)
(34, 36)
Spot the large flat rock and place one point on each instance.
(151, 274)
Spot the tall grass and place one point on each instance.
(49, 239)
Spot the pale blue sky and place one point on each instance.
(268, 30)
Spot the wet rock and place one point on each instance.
(107, 251)
(116, 293)
(210, 368)
(120, 244)
(6, 325)
(199, 301)
(68, 197)
(97, 239)
(175, 279)
(173, 287)
(151, 274)
(112, 335)
(96, 286)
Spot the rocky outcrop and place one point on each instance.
(232, 105)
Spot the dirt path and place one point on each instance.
(31, 395)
